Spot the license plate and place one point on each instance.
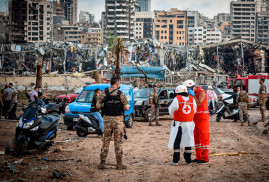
(75, 119)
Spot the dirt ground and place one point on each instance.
(147, 156)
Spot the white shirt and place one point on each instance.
(135, 90)
(209, 95)
(174, 105)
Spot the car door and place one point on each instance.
(164, 100)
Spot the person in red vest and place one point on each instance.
(201, 120)
(182, 109)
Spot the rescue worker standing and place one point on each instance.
(212, 99)
(155, 106)
(242, 101)
(115, 102)
(182, 109)
(201, 120)
(262, 99)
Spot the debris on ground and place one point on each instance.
(12, 168)
(58, 174)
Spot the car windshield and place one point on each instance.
(86, 96)
(218, 91)
(143, 93)
(79, 90)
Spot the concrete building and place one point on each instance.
(222, 17)
(86, 17)
(201, 35)
(171, 27)
(58, 13)
(30, 20)
(145, 5)
(206, 22)
(93, 37)
(213, 35)
(196, 36)
(70, 10)
(243, 18)
(4, 30)
(120, 16)
(144, 24)
(192, 18)
(262, 34)
(68, 33)
(103, 26)
(264, 5)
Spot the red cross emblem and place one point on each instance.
(186, 109)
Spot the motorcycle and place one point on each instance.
(11, 113)
(53, 108)
(87, 124)
(35, 129)
(221, 113)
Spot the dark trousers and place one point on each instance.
(6, 107)
(187, 153)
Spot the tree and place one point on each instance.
(111, 38)
(118, 50)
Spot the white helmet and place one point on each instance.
(189, 83)
(210, 87)
(181, 89)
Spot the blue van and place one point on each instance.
(83, 105)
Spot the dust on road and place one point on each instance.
(147, 156)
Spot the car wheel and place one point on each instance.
(148, 114)
(218, 118)
(130, 122)
(70, 128)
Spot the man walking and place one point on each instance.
(242, 101)
(14, 92)
(154, 102)
(262, 98)
(182, 109)
(201, 120)
(7, 98)
(34, 94)
(115, 102)
(212, 99)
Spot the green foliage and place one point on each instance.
(112, 39)
(219, 24)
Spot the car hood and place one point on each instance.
(80, 107)
(141, 99)
(68, 95)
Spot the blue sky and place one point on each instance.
(208, 7)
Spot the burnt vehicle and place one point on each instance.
(142, 103)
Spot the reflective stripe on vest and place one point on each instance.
(185, 112)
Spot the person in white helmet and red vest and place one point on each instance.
(182, 109)
(201, 120)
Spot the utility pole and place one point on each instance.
(242, 57)
(218, 57)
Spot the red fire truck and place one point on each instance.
(251, 82)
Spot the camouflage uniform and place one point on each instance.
(262, 90)
(155, 111)
(242, 100)
(112, 124)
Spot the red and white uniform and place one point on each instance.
(182, 110)
(201, 130)
(212, 96)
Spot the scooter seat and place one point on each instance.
(47, 121)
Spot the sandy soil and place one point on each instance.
(147, 156)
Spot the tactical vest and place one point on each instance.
(112, 104)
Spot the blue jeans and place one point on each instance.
(98, 116)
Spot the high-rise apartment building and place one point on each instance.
(262, 34)
(93, 37)
(120, 16)
(30, 20)
(70, 8)
(144, 24)
(145, 5)
(86, 17)
(58, 13)
(171, 27)
(192, 18)
(201, 35)
(243, 18)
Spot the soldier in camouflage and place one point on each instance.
(154, 101)
(262, 99)
(242, 101)
(115, 102)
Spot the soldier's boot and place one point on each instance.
(158, 124)
(249, 124)
(263, 119)
(120, 165)
(150, 123)
(102, 165)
